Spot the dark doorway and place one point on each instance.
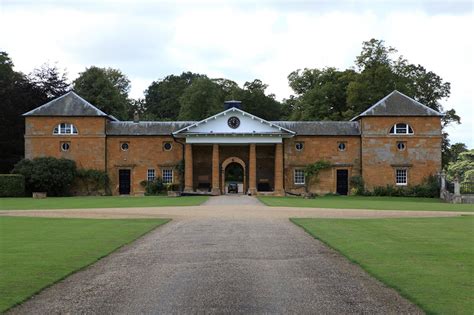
(124, 182)
(234, 178)
(342, 184)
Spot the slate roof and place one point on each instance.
(70, 104)
(151, 128)
(321, 128)
(145, 128)
(398, 104)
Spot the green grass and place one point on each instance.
(36, 252)
(371, 203)
(428, 260)
(98, 202)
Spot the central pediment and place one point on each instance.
(233, 126)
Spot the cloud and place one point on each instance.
(241, 40)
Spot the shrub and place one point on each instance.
(153, 187)
(12, 185)
(47, 174)
(428, 188)
(91, 182)
(357, 184)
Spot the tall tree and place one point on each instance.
(49, 79)
(201, 99)
(162, 96)
(105, 88)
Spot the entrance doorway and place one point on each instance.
(234, 178)
(342, 182)
(124, 182)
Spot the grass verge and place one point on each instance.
(98, 202)
(37, 252)
(428, 260)
(371, 203)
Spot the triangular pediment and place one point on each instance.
(234, 122)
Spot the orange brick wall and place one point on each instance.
(144, 153)
(321, 148)
(87, 148)
(380, 156)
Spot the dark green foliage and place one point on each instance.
(47, 174)
(203, 98)
(12, 185)
(92, 181)
(155, 187)
(357, 184)
(106, 88)
(311, 171)
(429, 188)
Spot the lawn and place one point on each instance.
(428, 260)
(372, 203)
(36, 252)
(98, 202)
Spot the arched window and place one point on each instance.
(65, 129)
(401, 129)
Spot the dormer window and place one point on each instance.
(401, 129)
(65, 129)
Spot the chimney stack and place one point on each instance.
(233, 103)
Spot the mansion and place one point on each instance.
(397, 141)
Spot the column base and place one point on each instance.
(188, 189)
(215, 191)
(279, 193)
(252, 191)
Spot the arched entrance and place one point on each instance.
(233, 170)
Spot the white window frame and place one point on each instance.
(407, 130)
(150, 174)
(65, 129)
(401, 176)
(297, 177)
(166, 177)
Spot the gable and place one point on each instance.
(234, 122)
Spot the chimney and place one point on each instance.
(136, 117)
(233, 103)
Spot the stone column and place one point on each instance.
(253, 169)
(279, 191)
(215, 170)
(188, 168)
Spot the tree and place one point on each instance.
(201, 99)
(453, 151)
(105, 88)
(162, 96)
(18, 95)
(50, 80)
(463, 168)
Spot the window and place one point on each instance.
(65, 129)
(299, 177)
(65, 146)
(401, 175)
(167, 146)
(150, 175)
(124, 146)
(299, 146)
(401, 145)
(341, 146)
(167, 176)
(401, 129)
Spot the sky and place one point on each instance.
(242, 40)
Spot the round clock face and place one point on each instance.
(233, 122)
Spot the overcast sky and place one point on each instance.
(241, 40)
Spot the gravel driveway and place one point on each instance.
(221, 264)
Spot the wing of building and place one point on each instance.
(397, 141)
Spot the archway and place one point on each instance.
(233, 170)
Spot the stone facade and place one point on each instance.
(269, 154)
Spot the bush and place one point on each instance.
(12, 185)
(153, 188)
(429, 188)
(47, 174)
(358, 186)
(91, 182)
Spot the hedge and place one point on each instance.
(12, 185)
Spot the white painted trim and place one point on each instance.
(234, 140)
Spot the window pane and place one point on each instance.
(62, 128)
(167, 176)
(401, 176)
(401, 128)
(299, 177)
(151, 175)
